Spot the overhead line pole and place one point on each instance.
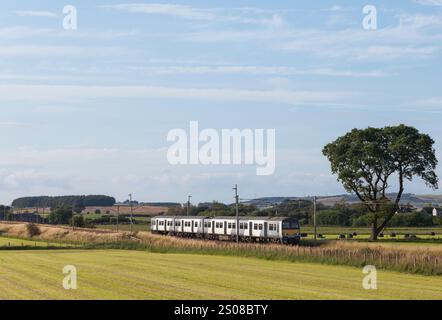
(118, 215)
(188, 204)
(314, 216)
(237, 212)
(131, 211)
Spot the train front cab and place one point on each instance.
(291, 231)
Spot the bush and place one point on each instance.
(79, 221)
(33, 230)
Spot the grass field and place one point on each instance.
(118, 274)
(13, 242)
(124, 227)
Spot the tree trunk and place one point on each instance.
(374, 230)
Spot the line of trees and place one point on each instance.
(341, 214)
(55, 202)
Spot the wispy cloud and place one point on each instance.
(414, 36)
(58, 50)
(30, 13)
(13, 124)
(61, 93)
(180, 11)
(429, 2)
(246, 15)
(259, 70)
(432, 102)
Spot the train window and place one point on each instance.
(260, 226)
(255, 226)
(233, 225)
(290, 225)
(229, 226)
(153, 222)
(245, 226)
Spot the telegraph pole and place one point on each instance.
(314, 214)
(237, 212)
(131, 210)
(72, 218)
(118, 214)
(188, 204)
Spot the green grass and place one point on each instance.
(118, 274)
(334, 230)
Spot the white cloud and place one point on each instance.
(13, 124)
(269, 18)
(429, 2)
(433, 102)
(58, 50)
(19, 32)
(181, 11)
(260, 70)
(414, 36)
(62, 93)
(45, 14)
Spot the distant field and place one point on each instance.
(114, 274)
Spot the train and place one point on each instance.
(282, 230)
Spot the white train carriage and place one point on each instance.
(251, 229)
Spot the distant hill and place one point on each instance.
(417, 201)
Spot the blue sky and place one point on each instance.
(88, 110)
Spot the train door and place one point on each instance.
(225, 227)
(265, 229)
(250, 228)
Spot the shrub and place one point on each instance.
(33, 230)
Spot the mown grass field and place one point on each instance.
(120, 274)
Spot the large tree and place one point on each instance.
(366, 161)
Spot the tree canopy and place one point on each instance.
(54, 202)
(366, 161)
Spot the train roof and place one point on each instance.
(227, 218)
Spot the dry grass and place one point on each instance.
(63, 234)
